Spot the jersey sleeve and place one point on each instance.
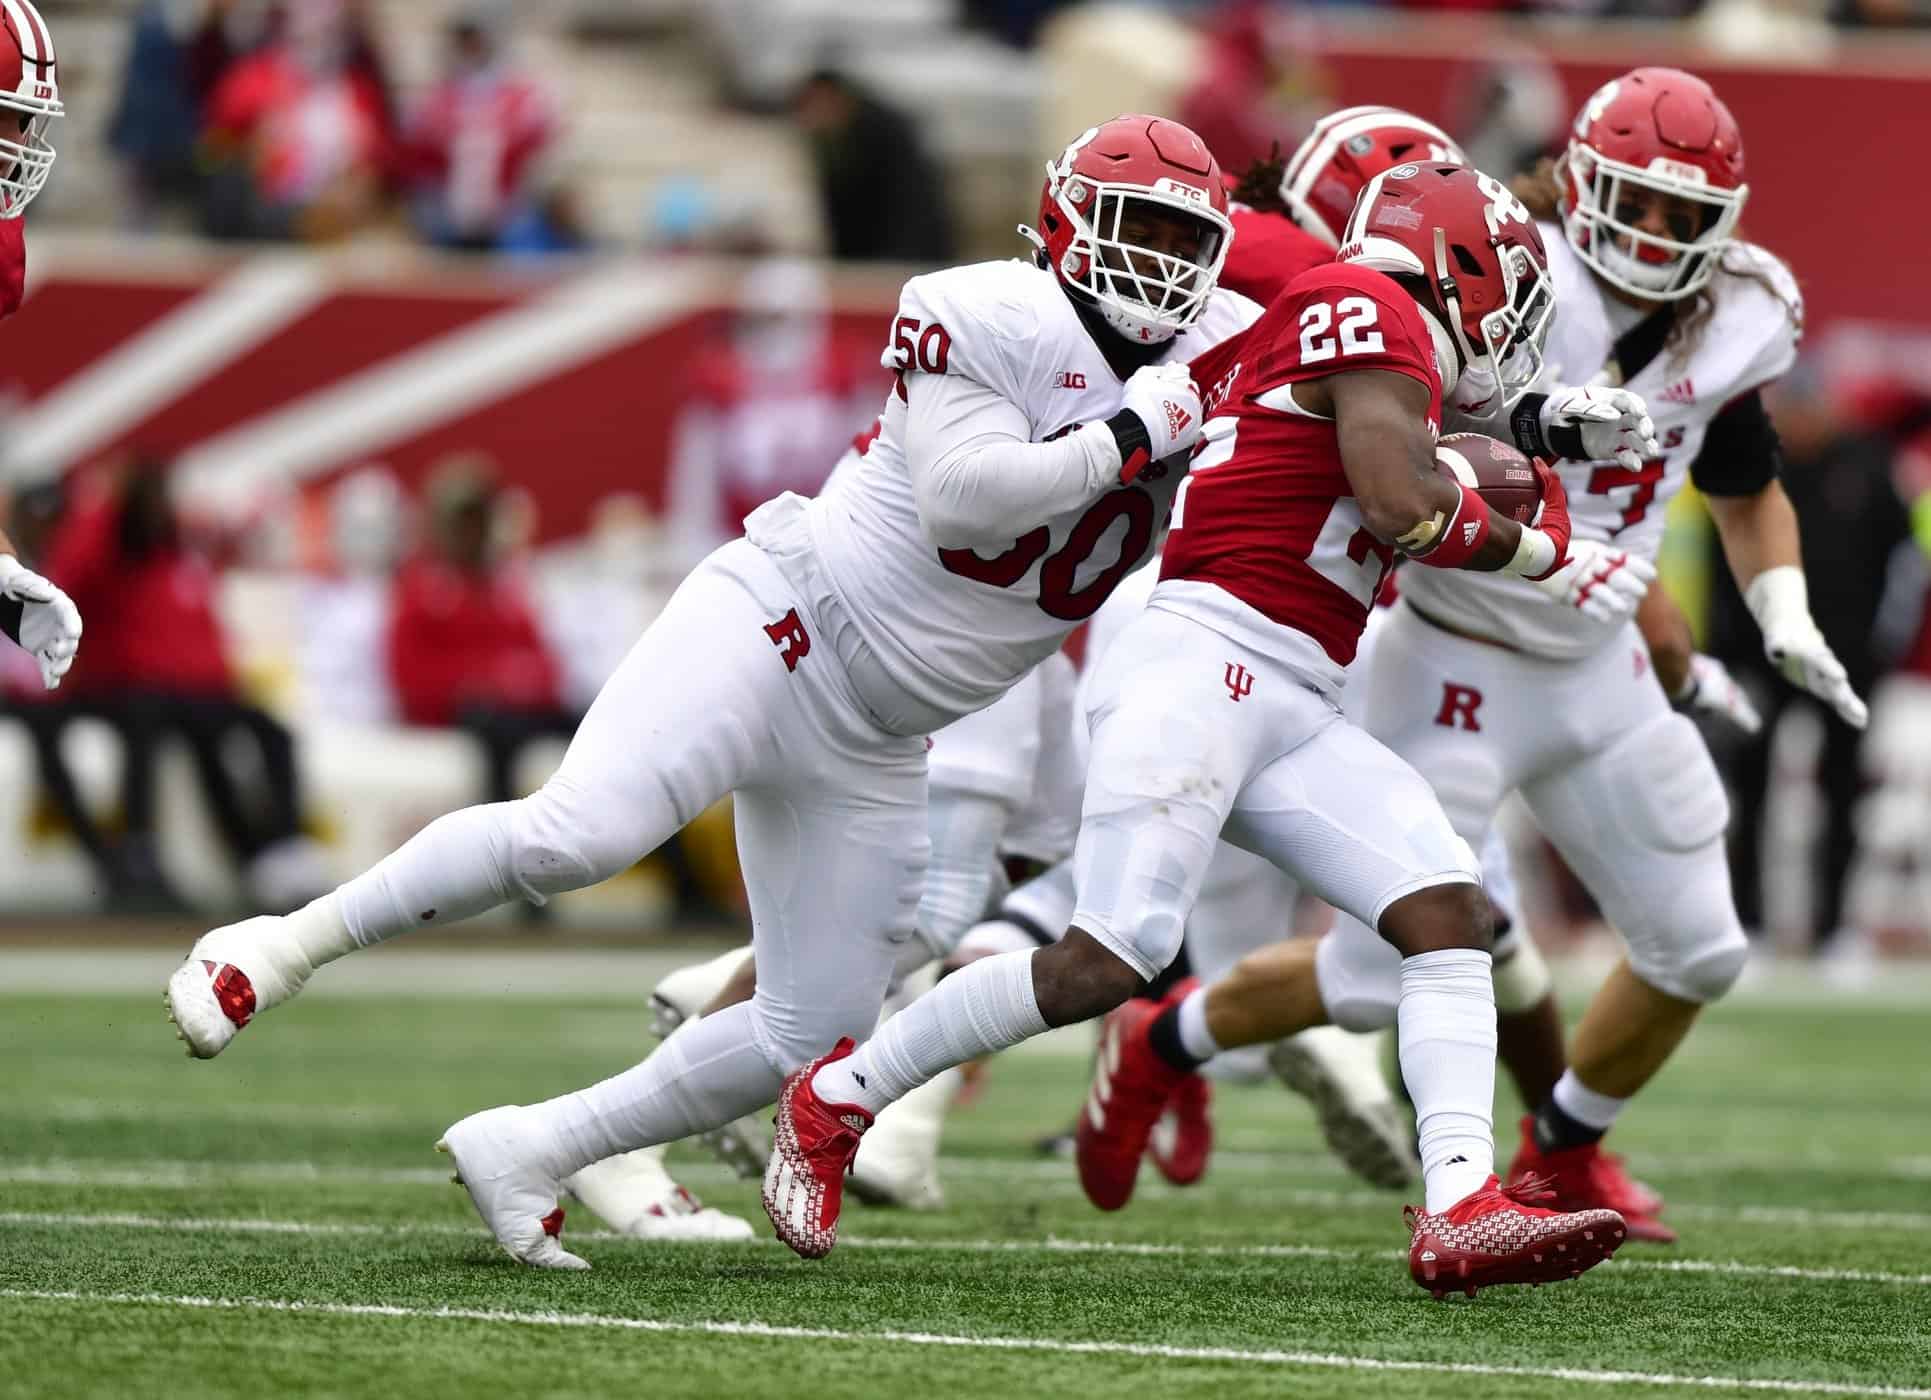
(966, 321)
(1334, 320)
(1740, 455)
(1770, 310)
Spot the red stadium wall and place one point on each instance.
(1830, 188)
(572, 430)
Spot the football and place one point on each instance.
(1499, 473)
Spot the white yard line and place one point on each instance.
(433, 970)
(1041, 1177)
(246, 1225)
(1327, 1361)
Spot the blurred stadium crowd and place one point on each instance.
(243, 674)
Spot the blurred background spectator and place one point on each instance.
(473, 142)
(158, 668)
(768, 408)
(464, 648)
(299, 133)
(346, 599)
(883, 198)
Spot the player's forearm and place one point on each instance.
(978, 479)
(988, 490)
(1666, 631)
(1759, 532)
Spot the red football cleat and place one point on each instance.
(1131, 1086)
(1585, 1178)
(811, 1150)
(1494, 1236)
(1643, 1198)
(1183, 1138)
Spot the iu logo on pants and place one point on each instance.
(1459, 704)
(789, 636)
(1239, 681)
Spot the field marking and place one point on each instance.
(1050, 1244)
(429, 970)
(1329, 1361)
(1041, 1176)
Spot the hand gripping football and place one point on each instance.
(1495, 471)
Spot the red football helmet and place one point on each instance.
(1348, 148)
(1656, 142)
(1476, 264)
(1116, 175)
(29, 89)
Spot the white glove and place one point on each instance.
(1712, 690)
(1601, 582)
(1779, 599)
(1166, 401)
(49, 621)
(1611, 422)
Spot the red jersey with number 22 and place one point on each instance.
(1267, 514)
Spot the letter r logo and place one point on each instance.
(1459, 704)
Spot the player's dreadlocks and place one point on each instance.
(1260, 187)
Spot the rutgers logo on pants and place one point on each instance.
(789, 636)
(1459, 704)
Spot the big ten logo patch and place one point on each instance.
(1459, 706)
(789, 636)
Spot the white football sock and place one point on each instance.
(1195, 1038)
(317, 930)
(456, 866)
(982, 1008)
(1446, 1026)
(1584, 1104)
(707, 1073)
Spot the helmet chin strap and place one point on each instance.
(1454, 351)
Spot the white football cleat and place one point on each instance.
(744, 1145)
(635, 1195)
(232, 974)
(1339, 1072)
(898, 1159)
(516, 1197)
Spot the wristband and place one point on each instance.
(1535, 555)
(1564, 440)
(1458, 541)
(1136, 446)
(1779, 599)
(1525, 425)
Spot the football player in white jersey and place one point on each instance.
(1022, 467)
(34, 614)
(1487, 695)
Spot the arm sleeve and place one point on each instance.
(977, 479)
(1740, 455)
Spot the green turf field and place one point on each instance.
(276, 1223)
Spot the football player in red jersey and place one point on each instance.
(1657, 293)
(33, 612)
(1316, 467)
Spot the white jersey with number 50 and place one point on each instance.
(956, 627)
(1748, 340)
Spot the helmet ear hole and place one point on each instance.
(1467, 261)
